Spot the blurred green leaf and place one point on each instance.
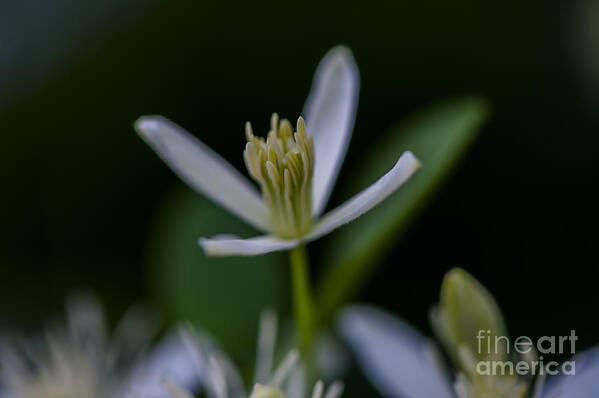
(222, 295)
(438, 136)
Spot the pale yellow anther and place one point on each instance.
(274, 122)
(249, 134)
(283, 165)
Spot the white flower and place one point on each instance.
(220, 378)
(81, 361)
(402, 363)
(296, 171)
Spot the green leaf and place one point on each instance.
(222, 295)
(438, 136)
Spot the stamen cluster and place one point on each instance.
(283, 166)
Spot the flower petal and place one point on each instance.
(330, 112)
(267, 336)
(398, 360)
(368, 198)
(583, 384)
(296, 383)
(204, 170)
(231, 245)
(170, 359)
(218, 374)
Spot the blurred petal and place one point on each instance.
(399, 361)
(296, 383)
(217, 372)
(134, 332)
(231, 245)
(332, 360)
(284, 369)
(170, 359)
(330, 112)
(369, 198)
(537, 389)
(584, 384)
(204, 170)
(267, 336)
(86, 321)
(334, 390)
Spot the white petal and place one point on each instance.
(538, 386)
(134, 332)
(335, 390)
(170, 359)
(231, 245)
(584, 384)
(267, 337)
(332, 360)
(368, 198)
(285, 368)
(86, 320)
(329, 113)
(217, 372)
(399, 361)
(203, 169)
(318, 389)
(296, 383)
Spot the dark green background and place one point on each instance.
(80, 191)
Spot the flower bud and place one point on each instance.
(469, 321)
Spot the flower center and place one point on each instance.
(471, 384)
(266, 391)
(283, 166)
(490, 386)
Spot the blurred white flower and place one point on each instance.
(80, 360)
(220, 379)
(296, 171)
(402, 363)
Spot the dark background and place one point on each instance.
(80, 190)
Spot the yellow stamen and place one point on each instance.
(283, 166)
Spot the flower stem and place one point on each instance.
(302, 295)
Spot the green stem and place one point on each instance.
(302, 295)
